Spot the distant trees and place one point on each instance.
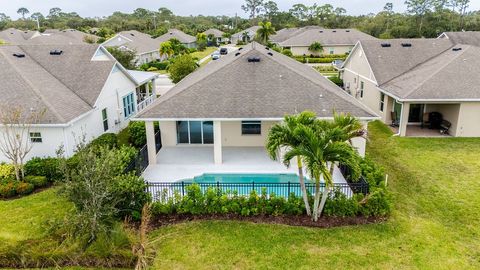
(419, 8)
(124, 57)
(201, 41)
(252, 7)
(23, 11)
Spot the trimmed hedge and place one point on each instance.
(24, 188)
(155, 64)
(107, 139)
(325, 60)
(336, 80)
(36, 181)
(47, 167)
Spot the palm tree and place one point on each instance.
(245, 36)
(23, 11)
(351, 126)
(317, 149)
(283, 136)
(265, 31)
(166, 49)
(315, 47)
(201, 37)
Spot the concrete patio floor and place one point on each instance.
(185, 162)
(418, 131)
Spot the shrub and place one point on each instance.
(138, 135)
(130, 190)
(341, 206)
(108, 140)
(8, 189)
(6, 171)
(192, 50)
(377, 203)
(23, 188)
(47, 167)
(373, 173)
(287, 52)
(36, 181)
(336, 80)
(152, 69)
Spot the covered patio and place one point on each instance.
(185, 162)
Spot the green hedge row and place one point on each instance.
(316, 60)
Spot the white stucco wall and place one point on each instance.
(301, 50)
(468, 124)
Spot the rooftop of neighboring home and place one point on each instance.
(134, 40)
(326, 37)
(215, 32)
(50, 36)
(286, 33)
(424, 69)
(175, 33)
(251, 31)
(466, 37)
(271, 85)
(35, 78)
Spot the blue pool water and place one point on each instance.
(245, 178)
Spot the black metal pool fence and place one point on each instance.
(162, 190)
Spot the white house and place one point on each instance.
(246, 35)
(218, 118)
(82, 89)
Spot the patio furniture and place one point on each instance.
(395, 120)
(435, 119)
(445, 126)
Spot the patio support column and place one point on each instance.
(154, 88)
(217, 142)
(151, 149)
(404, 119)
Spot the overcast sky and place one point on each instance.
(94, 8)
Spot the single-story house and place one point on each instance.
(464, 37)
(82, 90)
(245, 36)
(186, 39)
(222, 113)
(217, 35)
(50, 36)
(287, 33)
(146, 47)
(411, 83)
(333, 41)
(16, 36)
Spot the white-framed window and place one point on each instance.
(251, 127)
(362, 86)
(36, 137)
(331, 50)
(128, 105)
(382, 101)
(105, 119)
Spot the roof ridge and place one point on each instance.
(58, 79)
(32, 87)
(433, 73)
(426, 60)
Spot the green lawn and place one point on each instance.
(435, 224)
(206, 52)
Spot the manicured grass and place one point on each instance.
(206, 52)
(435, 223)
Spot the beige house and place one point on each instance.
(465, 37)
(334, 41)
(225, 110)
(421, 86)
(186, 39)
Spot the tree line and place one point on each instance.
(423, 18)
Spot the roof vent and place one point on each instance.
(132, 34)
(321, 31)
(348, 31)
(253, 59)
(56, 52)
(334, 31)
(406, 44)
(386, 45)
(237, 54)
(457, 49)
(240, 48)
(267, 48)
(270, 53)
(19, 55)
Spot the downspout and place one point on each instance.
(399, 122)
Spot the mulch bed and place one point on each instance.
(302, 220)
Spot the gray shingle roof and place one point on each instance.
(66, 85)
(140, 42)
(468, 37)
(233, 87)
(390, 62)
(287, 33)
(327, 37)
(15, 36)
(175, 33)
(215, 32)
(50, 36)
(451, 75)
(251, 31)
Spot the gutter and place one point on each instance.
(237, 119)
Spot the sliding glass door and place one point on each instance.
(194, 132)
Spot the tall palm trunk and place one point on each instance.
(317, 199)
(326, 190)
(302, 186)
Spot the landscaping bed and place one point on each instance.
(300, 220)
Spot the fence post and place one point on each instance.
(183, 189)
(288, 194)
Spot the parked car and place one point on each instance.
(215, 55)
(223, 51)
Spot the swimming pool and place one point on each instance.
(245, 178)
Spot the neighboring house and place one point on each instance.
(286, 33)
(145, 47)
(186, 39)
(230, 105)
(405, 80)
(217, 34)
(49, 36)
(334, 41)
(245, 36)
(81, 88)
(466, 37)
